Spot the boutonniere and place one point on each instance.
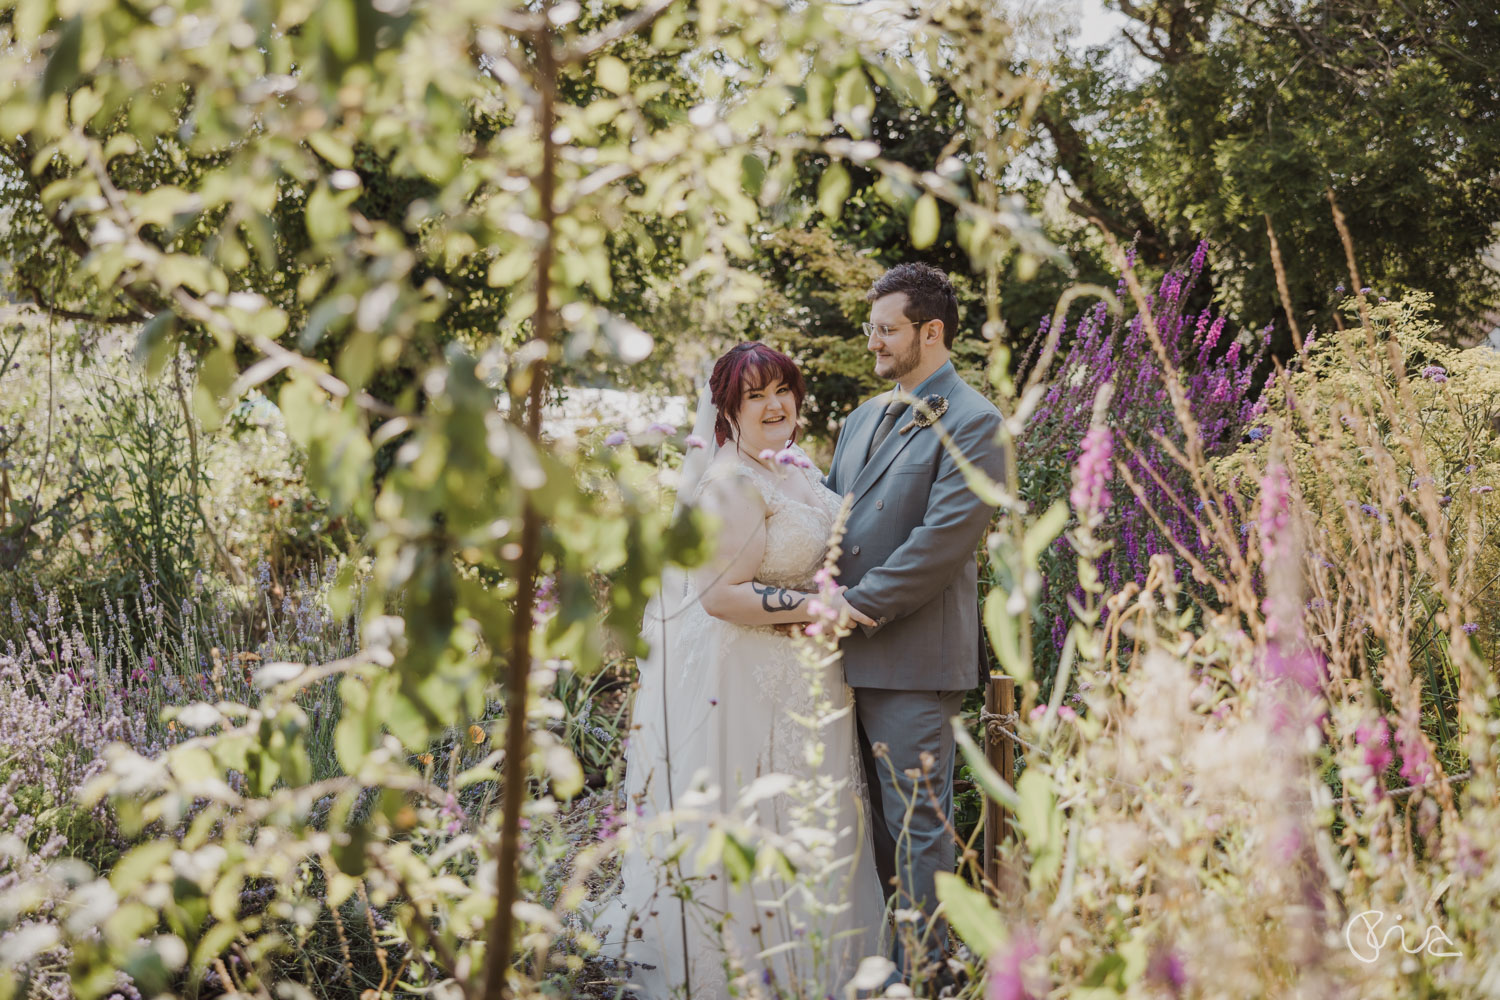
(932, 407)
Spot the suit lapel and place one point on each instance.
(892, 445)
(859, 441)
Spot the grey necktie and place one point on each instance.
(883, 429)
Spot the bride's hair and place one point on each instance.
(748, 366)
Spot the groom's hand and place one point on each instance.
(849, 611)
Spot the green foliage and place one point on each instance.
(1390, 437)
(403, 222)
(1232, 113)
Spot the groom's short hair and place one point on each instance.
(929, 295)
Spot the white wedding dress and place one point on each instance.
(752, 748)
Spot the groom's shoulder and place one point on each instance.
(972, 402)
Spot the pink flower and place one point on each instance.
(1166, 969)
(767, 456)
(1090, 473)
(1275, 505)
(1375, 739)
(1008, 979)
(1416, 765)
(786, 456)
(615, 439)
(694, 441)
(1037, 712)
(1066, 713)
(661, 428)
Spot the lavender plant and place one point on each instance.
(1219, 380)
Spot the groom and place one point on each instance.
(909, 560)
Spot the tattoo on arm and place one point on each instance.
(776, 599)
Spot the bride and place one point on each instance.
(736, 742)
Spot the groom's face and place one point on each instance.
(897, 341)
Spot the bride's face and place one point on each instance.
(767, 418)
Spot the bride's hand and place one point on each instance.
(849, 611)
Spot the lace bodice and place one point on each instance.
(796, 532)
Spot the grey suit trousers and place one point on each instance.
(909, 816)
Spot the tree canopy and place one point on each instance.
(1238, 116)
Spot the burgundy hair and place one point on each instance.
(748, 366)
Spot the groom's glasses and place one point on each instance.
(885, 331)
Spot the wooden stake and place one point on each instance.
(1000, 751)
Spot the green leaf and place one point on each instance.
(333, 149)
(154, 344)
(1036, 812)
(833, 190)
(853, 101)
(215, 941)
(1108, 970)
(1005, 637)
(63, 65)
(341, 28)
(970, 913)
(511, 268)
(565, 771)
(924, 222)
(1043, 532)
(353, 735)
(136, 866)
(192, 764)
(327, 213)
(753, 174)
(739, 860)
(613, 75)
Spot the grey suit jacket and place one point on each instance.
(910, 544)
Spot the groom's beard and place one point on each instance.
(903, 364)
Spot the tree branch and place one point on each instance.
(40, 302)
(623, 28)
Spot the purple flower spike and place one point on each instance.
(1200, 256)
(1435, 373)
(1470, 627)
(615, 440)
(786, 456)
(694, 441)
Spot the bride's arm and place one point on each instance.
(726, 584)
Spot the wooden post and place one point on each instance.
(1000, 751)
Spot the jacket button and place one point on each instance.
(854, 551)
(879, 504)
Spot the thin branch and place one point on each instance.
(591, 45)
(51, 308)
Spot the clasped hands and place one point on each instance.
(846, 613)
